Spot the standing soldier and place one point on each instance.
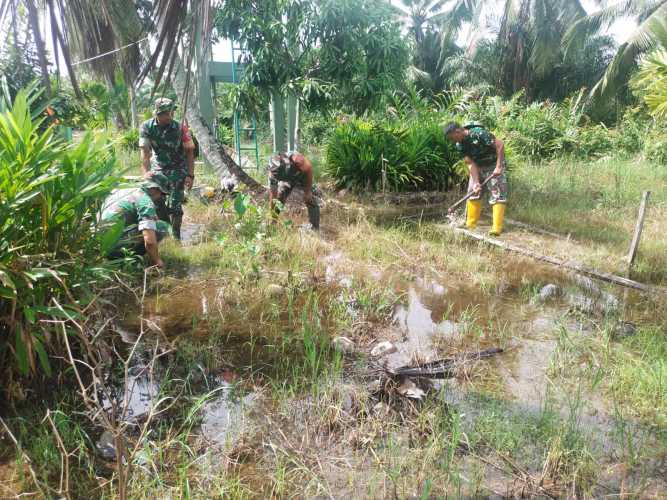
(485, 156)
(132, 213)
(166, 145)
(290, 170)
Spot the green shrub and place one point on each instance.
(316, 129)
(413, 155)
(225, 134)
(129, 139)
(655, 148)
(50, 194)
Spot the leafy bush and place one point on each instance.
(316, 128)
(545, 130)
(49, 197)
(129, 139)
(412, 155)
(225, 134)
(655, 148)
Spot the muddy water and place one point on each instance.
(436, 318)
(223, 417)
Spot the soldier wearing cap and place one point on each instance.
(167, 146)
(287, 171)
(131, 215)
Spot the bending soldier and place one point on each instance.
(290, 170)
(134, 209)
(485, 156)
(167, 146)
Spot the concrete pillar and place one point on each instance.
(292, 124)
(278, 122)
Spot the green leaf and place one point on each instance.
(56, 312)
(21, 353)
(7, 281)
(110, 236)
(241, 205)
(42, 356)
(29, 314)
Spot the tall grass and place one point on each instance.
(50, 194)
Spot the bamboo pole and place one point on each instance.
(573, 266)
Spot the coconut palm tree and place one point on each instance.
(651, 81)
(421, 15)
(650, 16)
(434, 27)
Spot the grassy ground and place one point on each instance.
(573, 407)
(597, 203)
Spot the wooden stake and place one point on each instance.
(638, 230)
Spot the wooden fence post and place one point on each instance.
(638, 229)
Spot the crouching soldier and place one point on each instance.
(131, 214)
(485, 156)
(290, 170)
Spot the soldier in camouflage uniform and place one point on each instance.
(287, 171)
(168, 147)
(485, 156)
(132, 213)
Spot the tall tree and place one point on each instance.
(346, 48)
(650, 16)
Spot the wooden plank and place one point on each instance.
(573, 266)
(638, 229)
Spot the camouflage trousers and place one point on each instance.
(496, 187)
(284, 188)
(173, 202)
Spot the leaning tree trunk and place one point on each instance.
(214, 152)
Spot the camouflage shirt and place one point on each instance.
(134, 206)
(479, 145)
(166, 142)
(282, 169)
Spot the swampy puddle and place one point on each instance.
(243, 346)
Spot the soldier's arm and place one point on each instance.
(145, 159)
(147, 216)
(474, 173)
(306, 167)
(189, 149)
(151, 244)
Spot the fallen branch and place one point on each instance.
(443, 368)
(573, 266)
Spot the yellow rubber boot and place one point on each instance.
(498, 216)
(474, 210)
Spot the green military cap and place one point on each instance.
(163, 104)
(156, 180)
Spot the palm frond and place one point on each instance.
(648, 35)
(600, 21)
